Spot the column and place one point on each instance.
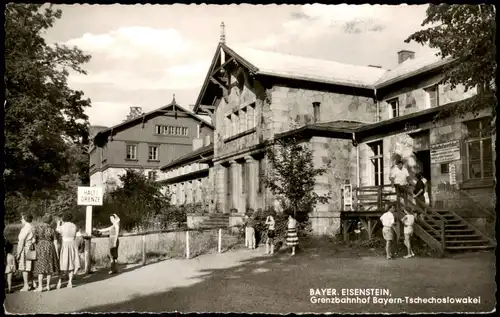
(235, 189)
(252, 166)
(199, 189)
(189, 192)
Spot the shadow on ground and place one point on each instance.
(281, 284)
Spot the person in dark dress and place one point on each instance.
(47, 258)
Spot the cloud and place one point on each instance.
(108, 113)
(184, 76)
(315, 21)
(133, 42)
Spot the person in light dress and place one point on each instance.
(69, 259)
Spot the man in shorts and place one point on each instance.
(388, 222)
(408, 221)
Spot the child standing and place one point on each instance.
(408, 220)
(10, 265)
(292, 239)
(270, 233)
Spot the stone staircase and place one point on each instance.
(215, 220)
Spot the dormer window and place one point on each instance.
(394, 107)
(432, 97)
(316, 111)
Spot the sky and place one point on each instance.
(144, 54)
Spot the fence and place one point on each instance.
(161, 244)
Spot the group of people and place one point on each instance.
(292, 239)
(400, 179)
(388, 222)
(43, 251)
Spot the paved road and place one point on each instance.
(247, 281)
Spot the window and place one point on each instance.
(316, 111)
(378, 163)
(131, 152)
(394, 110)
(432, 96)
(152, 175)
(171, 130)
(240, 121)
(445, 168)
(153, 153)
(479, 150)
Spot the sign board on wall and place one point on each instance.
(445, 152)
(453, 174)
(347, 197)
(90, 196)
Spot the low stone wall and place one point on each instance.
(195, 220)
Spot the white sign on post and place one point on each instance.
(347, 197)
(453, 174)
(90, 196)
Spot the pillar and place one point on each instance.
(189, 192)
(234, 190)
(251, 194)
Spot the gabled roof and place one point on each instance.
(310, 69)
(318, 70)
(411, 67)
(138, 119)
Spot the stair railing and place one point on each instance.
(427, 211)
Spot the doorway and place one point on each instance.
(424, 161)
(421, 150)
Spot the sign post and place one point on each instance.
(347, 197)
(89, 196)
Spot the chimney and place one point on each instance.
(375, 66)
(404, 55)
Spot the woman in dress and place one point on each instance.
(69, 259)
(114, 231)
(47, 259)
(270, 222)
(292, 239)
(420, 190)
(25, 241)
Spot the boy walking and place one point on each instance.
(387, 220)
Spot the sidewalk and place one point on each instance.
(102, 289)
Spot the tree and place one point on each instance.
(466, 33)
(291, 177)
(44, 118)
(135, 202)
